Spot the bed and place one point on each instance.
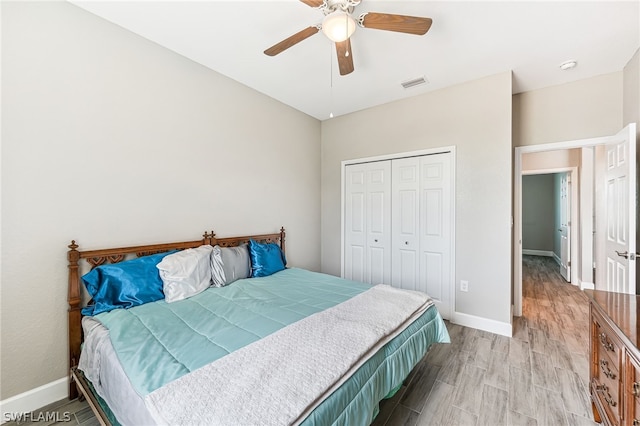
(297, 347)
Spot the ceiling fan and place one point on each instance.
(339, 24)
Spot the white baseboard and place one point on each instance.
(557, 259)
(33, 399)
(530, 252)
(587, 286)
(492, 326)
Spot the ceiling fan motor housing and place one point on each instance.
(330, 6)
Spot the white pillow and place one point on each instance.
(185, 273)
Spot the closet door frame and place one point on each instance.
(432, 151)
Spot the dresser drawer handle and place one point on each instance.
(635, 389)
(606, 344)
(636, 422)
(608, 398)
(607, 371)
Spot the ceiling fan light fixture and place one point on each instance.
(338, 26)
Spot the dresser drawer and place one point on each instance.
(607, 369)
(606, 366)
(632, 390)
(609, 347)
(607, 392)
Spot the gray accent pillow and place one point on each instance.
(229, 264)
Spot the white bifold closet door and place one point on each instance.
(398, 225)
(368, 222)
(421, 227)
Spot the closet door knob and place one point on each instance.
(406, 243)
(375, 240)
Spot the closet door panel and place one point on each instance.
(356, 270)
(377, 264)
(378, 222)
(432, 272)
(405, 269)
(355, 223)
(368, 222)
(432, 212)
(431, 254)
(377, 267)
(405, 238)
(435, 227)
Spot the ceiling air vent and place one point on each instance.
(415, 82)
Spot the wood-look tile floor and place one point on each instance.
(538, 377)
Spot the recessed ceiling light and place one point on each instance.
(568, 65)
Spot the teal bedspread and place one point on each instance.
(159, 342)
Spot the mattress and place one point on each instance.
(222, 320)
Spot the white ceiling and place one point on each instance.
(468, 40)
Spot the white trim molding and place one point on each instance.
(492, 326)
(547, 253)
(587, 286)
(34, 399)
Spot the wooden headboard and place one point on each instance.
(114, 255)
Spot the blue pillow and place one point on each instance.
(124, 284)
(266, 258)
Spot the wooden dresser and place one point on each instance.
(614, 360)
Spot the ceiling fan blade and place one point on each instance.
(312, 3)
(400, 23)
(290, 41)
(345, 57)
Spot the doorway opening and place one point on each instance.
(598, 204)
(549, 212)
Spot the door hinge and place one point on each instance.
(569, 264)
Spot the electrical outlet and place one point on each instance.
(464, 285)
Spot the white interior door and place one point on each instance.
(368, 222)
(620, 213)
(565, 226)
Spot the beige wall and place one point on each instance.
(111, 140)
(583, 109)
(631, 92)
(557, 159)
(476, 118)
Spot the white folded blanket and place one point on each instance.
(280, 379)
